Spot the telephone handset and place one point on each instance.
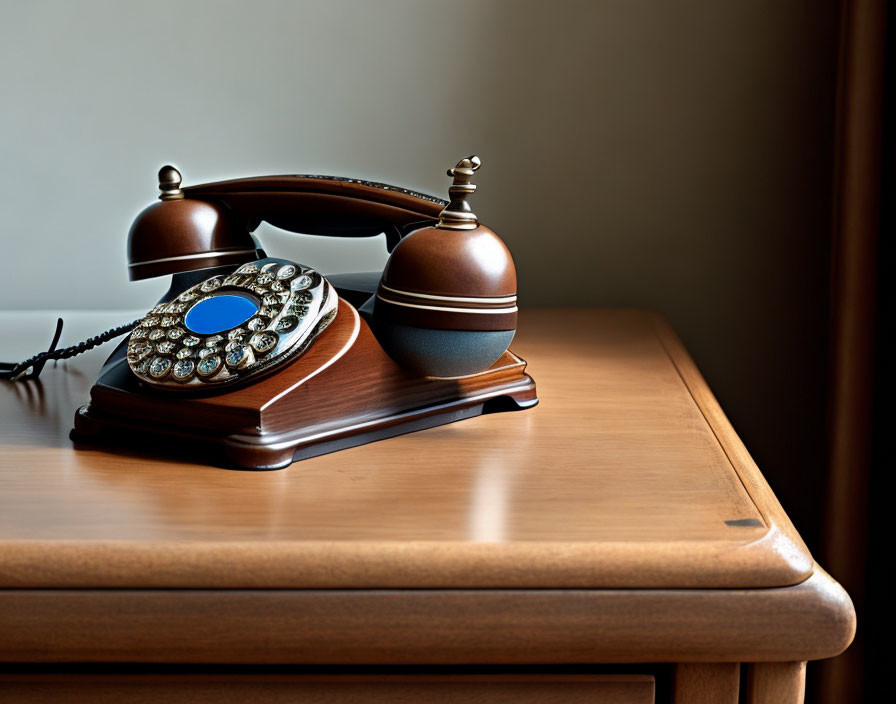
(268, 359)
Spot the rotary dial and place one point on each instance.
(231, 327)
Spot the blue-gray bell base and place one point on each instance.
(442, 352)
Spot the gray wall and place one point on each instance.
(674, 155)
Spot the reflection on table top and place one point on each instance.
(626, 458)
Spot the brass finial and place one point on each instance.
(169, 183)
(457, 215)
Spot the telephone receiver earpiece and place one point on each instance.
(445, 304)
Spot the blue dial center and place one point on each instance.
(220, 313)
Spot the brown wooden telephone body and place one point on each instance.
(445, 302)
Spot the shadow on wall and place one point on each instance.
(680, 158)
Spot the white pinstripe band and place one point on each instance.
(450, 299)
(447, 309)
(198, 255)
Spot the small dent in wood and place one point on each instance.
(744, 522)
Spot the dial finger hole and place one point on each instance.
(159, 367)
(239, 357)
(257, 324)
(286, 323)
(301, 283)
(287, 271)
(183, 370)
(263, 342)
(210, 285)
(209, 366)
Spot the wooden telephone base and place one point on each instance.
(345, 391)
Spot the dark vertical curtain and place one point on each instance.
(858, 214)
(880, 614)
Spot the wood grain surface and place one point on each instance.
(626, 475)
(778, 683)
(706, 683)
(321, 689)
(620, 521)
(426, 626)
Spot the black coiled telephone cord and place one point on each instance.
(20, 371)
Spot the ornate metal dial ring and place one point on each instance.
(293, 304)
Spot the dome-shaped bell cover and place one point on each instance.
(452, 263)
(183, 234)
(446, 304)
(452, 280)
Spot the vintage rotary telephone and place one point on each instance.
(270, 360)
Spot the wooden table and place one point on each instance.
(614, 544)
